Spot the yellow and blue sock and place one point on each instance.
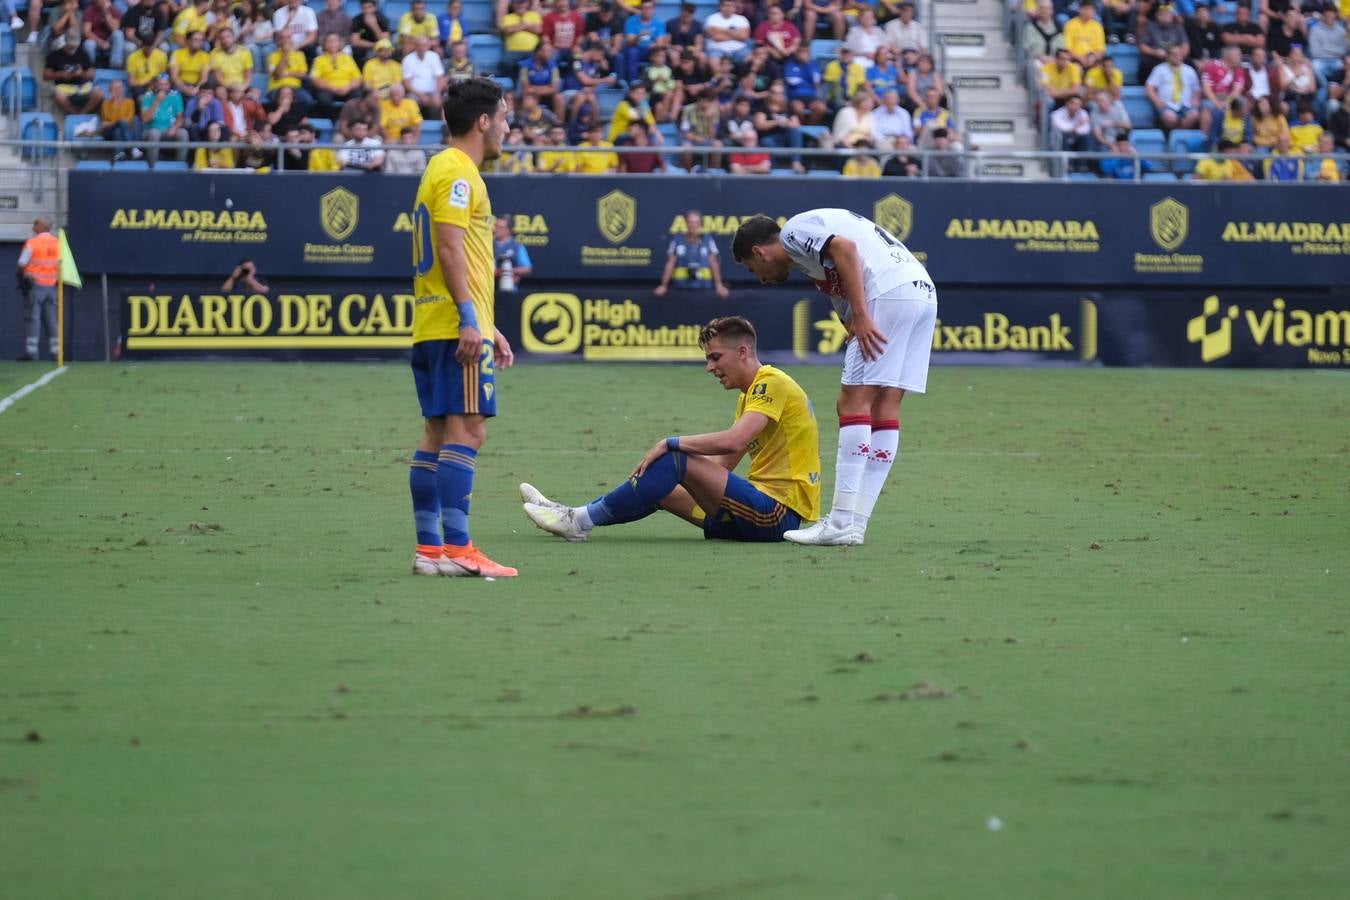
(426, 502)
(454, 483)
(639, 497)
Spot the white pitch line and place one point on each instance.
(29, 388)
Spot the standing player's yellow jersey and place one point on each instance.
(785, 457)
(453, 192)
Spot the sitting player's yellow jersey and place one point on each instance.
(785, 458)
(453, 192)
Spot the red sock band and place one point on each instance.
(886, 425)
(855, 420)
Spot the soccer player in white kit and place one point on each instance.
(886, 299)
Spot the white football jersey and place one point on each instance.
(886, 263)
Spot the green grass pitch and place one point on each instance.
(1108, 609)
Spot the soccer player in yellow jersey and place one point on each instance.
(692, 476)
(456, 346)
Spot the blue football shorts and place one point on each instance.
(447, 388)
(748, 514)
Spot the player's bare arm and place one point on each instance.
(733, 442)
(844, 254)
(455, 265)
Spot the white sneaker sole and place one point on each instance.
(570, 537)
(847, 539)
(531, 494)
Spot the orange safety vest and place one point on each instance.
(44, 259)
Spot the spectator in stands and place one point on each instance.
(1071, 128)
(739, 123)
(946, 164)
(1220, 81)
(286, 111)
(776, 126)
(1338, 85)
(104, 41)
(1119, 20)
(692, 261)
(144, 22)
(1242, 32)
(891, 121)
(415, 23)
(904, 32)
(901, 164)
(1121, 167)
(601, 158)
(883, 75)
(1285, 30)
(553, 155)
(424, 77)
(802, 77)
(1328, 170)
(533, 120)
(643, 163)
(1160, 35)
(286, 68)
(641, 33)
(866, 36)
(521, 29)
(202, 110)
(71, 72)
(539, 76)
(699, 126)
(758, 75)
(815, 10)
(162, 117)
(1268, 124)
(117, 117)
(1305, 133)
(191, 17)
(931, 114)
(1104, 77)
(604, 26)
(749, 160)
(862, 166)
(242, 113)
(399, 113)
(1235, 125)
(855, 122)
(231, 64)
(255, 32)
(925, 78)
(634, 107)
(407, 158)
(144, 65)
(451, 27)
(516, 160)
(1204, 36)
(779, 35)
(1174, 91)
(1263, 80)
(1084, 35)
(1297, 78)
(321, 158)
(218, 20)
(661, 87)
(190, 66)
(686, 32)
(458, 65)
(381, 71)
(844, 78)
(361, 151)
(1041, 35)
(369, 29)
(564, 28)
(365, 109)
(334, 78)
(1062, 78)
(1284, 163)
(298, 22)
(1327, 42)
(727, 33)
(214, 158)
(333, 19)
(1109, 118)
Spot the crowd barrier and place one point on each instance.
(591, 230)
(617, 322)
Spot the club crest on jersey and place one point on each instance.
(339, 211)
(759, 390)
(487, 390)
(459, 194)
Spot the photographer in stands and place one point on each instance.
(512, 259)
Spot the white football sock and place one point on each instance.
(583, 518)
(885, 448)
(855, 435)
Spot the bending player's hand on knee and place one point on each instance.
(470, 346)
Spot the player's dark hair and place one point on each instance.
(755, 231)
(735, 328)
(468, 100)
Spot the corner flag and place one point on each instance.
(69, 273)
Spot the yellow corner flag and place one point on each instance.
(69, 273)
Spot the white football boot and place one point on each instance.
(823, 534)
(559, 520)
(531, 494)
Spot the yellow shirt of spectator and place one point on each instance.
(1082, 38)
(188, 21)
(595, 162)
(862, 167)
(378, 73)
(555, 161)
(398, 118)
(232, 68)
(1303, 137)
(295, 62)
(857, 76)
(339, 71)
(624, 116)
(785, 457)
(1096, 78)
(143, 68)
(190, 65)
(451, 192)
(409, 27)
(521, 41)
(323, 160)
(1068, 77)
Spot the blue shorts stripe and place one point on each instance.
(748, 514)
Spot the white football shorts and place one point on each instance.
(907, 316)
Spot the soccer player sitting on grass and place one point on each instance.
(693, 474)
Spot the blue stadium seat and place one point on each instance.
(507, 84)
(1148, 141)
(823, 173)
(609, 99)
(1127, 60)
(37, 126)
(431, 133)
(131, 165)
(782, 173)
(169, 165)
(670, 133)
(1137, 105)
(486, 51)
(477, 16)
(395, 9)
(6, 46)
(73, 124)
(1159, 176)
(323, 129)
(105, 77)
(93, 165)
(18, 85)
(813, 133)
(824, 49)
(1082, 176)
(1186, 140)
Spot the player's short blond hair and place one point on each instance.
(735, 328)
